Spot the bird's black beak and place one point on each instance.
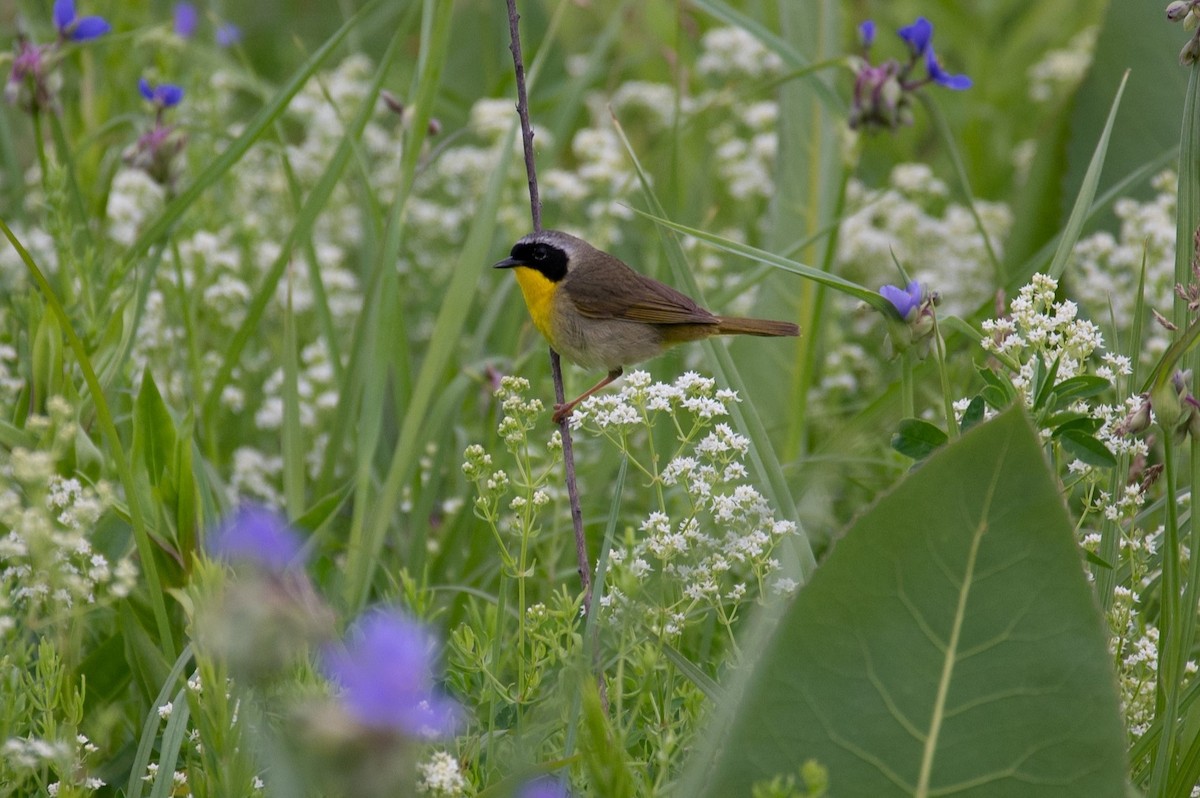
(507, 263)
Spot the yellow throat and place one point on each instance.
(538, 291)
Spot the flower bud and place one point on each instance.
(1138, 419)
(1178, 9)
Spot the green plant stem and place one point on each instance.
(907, 400)
(939, 352)
(1167, 699)
(39, 142)
(187, 312)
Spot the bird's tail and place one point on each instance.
(733, 325)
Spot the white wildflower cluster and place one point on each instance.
(742, 130)
(448, 190)
(937, 240)
(133, 198)
(617, 411)
(535, 481)
(1060, 71)
(1109, 268)
(1039, 332)
(731, 53)
(179, 779)
(27, 759)
(1136, 655)
(49, 568)
(708, 546)
(597, 190)
(441, 777)
(204, 286)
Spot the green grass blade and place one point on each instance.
(293, 436)
(137, 518)
(447, 331)
(1179, 637)
(848, 287)
(1087, 191)
(705, 683)
(172, 741)
(964, 184)
(368, 527)
(150, 728)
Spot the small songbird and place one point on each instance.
(599, 313)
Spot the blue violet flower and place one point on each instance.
(904, 300)
(882, 93)
(163, 95)
(385, 670)
(259, 536)
(186, 20)
(74, 28)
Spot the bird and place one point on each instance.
(599, 313)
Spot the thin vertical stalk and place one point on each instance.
(1167, 700)
(535, 211)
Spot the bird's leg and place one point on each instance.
(562, 411)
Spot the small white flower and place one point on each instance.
(784, 585)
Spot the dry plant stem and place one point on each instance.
(535, 203)
(535, 208)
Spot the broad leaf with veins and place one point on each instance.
(949, 645)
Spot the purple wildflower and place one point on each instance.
(186, 20)
(917, 35)
(163, 95)
(228, 35)
(866, 33)
(75, 28)
(904, 300)
(256, 535)
(28, 85)
(544, 787)
(883, 93)
(385, 670)
(941, 76)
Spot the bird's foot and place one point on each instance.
(562, 411)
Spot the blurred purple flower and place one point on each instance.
(941, 76)
(866, 33)
(28, 84)
(163, 95)
(544, 787)
(904, 300)
(256, 535)
(917, 35)
(186, 20)
(228, 34)
(75, 28)
(882, 94)
(385, 670)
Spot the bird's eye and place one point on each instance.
(539, 253)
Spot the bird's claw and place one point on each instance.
(562, 411)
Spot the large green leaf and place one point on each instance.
(949, 645)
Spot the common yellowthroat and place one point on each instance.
(599, 313)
